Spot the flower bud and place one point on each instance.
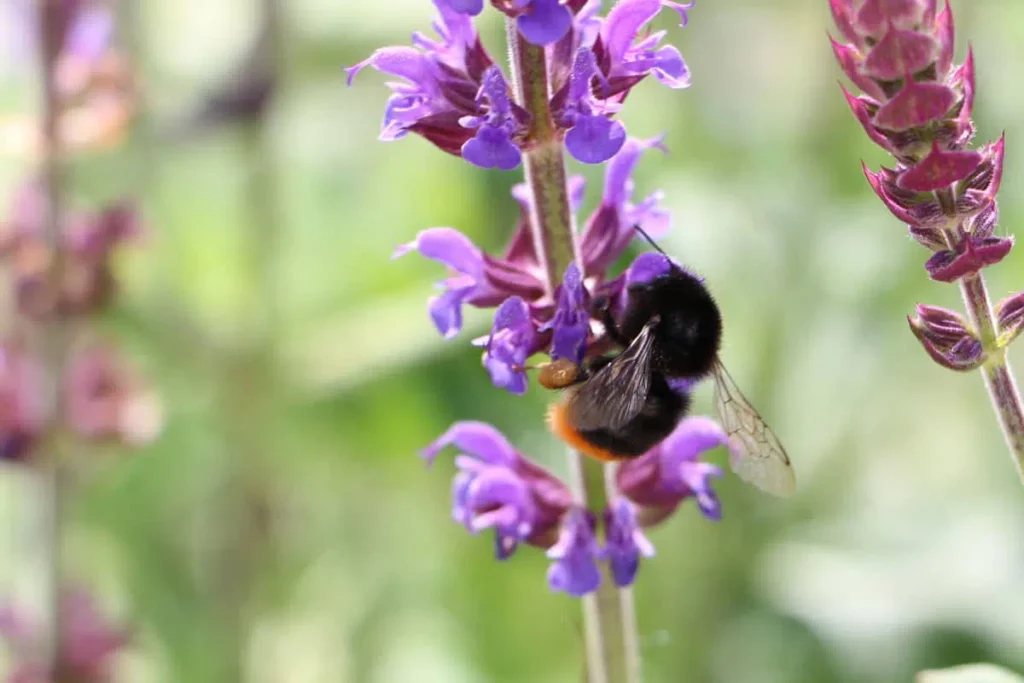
(1010, 318)
(947, 339)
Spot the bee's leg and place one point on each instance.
(602, 310)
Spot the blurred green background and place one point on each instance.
(283, 528)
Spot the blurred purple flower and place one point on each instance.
(497, 488)
(107, 400)
(625, 542)
(592, 137)
(89, 643)
(576, 553)
(453, 94)
(22, 406)
(672, 472)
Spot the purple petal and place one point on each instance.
(617, 178)
(670, 68)
(577, 188)
(625, 542)
(460, 489)
(546, 22)
(455, 250)
(470, 7)
(501, 499)
(595, 138)
(447, 246)
(571, 321)
(698, 476)
(577, 185)
(623, 24)
(691, 438)
(682, 8)
(491, 148)
(512, 341)
(446, 310)
(575, 571)
(90, 33)
(478, 439)
(404, 62)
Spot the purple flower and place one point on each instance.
(513, 339)
(453, 95)
(88, 644)
(456, 97)
(533, 321)
(627, 58)
(610, 229)
(492, 146)
(497, 488)
(477, 279)
(671, 472)
(542, 22)
(576, 553)
(592, 136)
(625, 542)
(22, 402)
(571, 322)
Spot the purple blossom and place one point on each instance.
(542, 22)
(610, 229)
(576, 553)
(627, 57)
(671, 472)
(571, 322)
(560, 325)
(22, 405)
(497, 488)
(513, 339)
(453, 95)
(477, 278)
(88, 645)
(592, 137)
(625, 542)
(492, 146)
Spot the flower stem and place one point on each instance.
(609, 614)
(54, 335)
(1002, 388)
(544, 161)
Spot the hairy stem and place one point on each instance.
(53, 334)
(609, 615)
(544, 162)
(1002, 389)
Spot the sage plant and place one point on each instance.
(916, 104)
(570, 71)
(63, 385)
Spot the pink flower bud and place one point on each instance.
(946, 338)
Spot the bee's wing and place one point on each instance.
(757, 456)
(618, 391)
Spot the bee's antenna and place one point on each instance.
(650, 241)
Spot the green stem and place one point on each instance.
(999, 380)
(609, 614)
(53, 333)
